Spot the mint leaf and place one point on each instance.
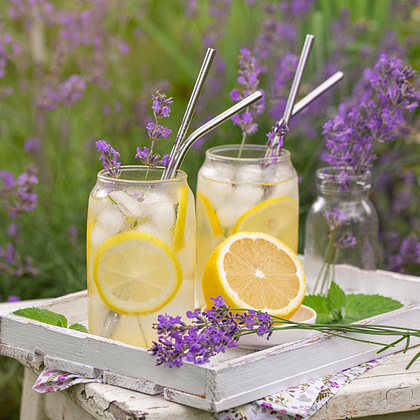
(79, 327)
(319, 304)
(340, 308)
(43, 315)
(360, 306)
(336, 298)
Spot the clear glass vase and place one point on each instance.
(248, 193)
(140, 252)
(341, 228)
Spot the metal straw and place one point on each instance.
(215, 122)
(311, 96)
(296, 84)
(192, 103)
(209, 126)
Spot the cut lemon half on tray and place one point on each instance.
(136, 273)
(277, 216)
(179, 236)
(254, 270)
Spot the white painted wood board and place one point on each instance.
(234, 378)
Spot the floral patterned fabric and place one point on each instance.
(299, 402)
(51, 380)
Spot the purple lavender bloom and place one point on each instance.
(65, 94)
(209, 333)
(160, 105)
(342, 239)
(147, 157)
(157, 132)
(18, 196)
(248, 80)
(32, 145)
(373, 118)
(109, 157)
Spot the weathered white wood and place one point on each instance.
(234, 378)
(136, 384)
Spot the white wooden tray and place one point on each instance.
(236, 377)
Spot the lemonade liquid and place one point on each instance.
(247, 193)
(162, 209)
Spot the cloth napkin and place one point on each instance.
(298, 402)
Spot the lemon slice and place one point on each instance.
(204, 206)
(254, 270)
(277, 216)
(179, 240)
(136, 273)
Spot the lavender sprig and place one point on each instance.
(275, 141)
(213, 331)
(109, 158)
(156, 132)
(373, 115)
(249, 71)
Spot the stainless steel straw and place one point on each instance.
(318, 91)
(295, 85)
(192, 103)
(215, 122)
(207, 127)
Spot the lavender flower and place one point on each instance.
(18, 196)
(376, 118)
(109, 157)
(276, 137)
(210, 333)
(336, 223)
(156, 132)
(249, 71)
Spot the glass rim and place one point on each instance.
(104, 177)
(327, 173)
(216, 153)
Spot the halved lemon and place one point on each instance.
(277, 216)
(179, 241)
(254, 270)
(136, 273)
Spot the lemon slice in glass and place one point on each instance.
(277, 216)
(254, 270)
(179, 237)
(136, 273)
(204, 206)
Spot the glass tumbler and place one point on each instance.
(140, 252)
(250, 193)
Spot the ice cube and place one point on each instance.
(127, 204)
(97, 205)
(162, 214)
(229, 213)
(248, 173)
(218, 192)
(247, 195)
(165, 235)
(150, 197)
(111, 220)
(97, 236)
(223, 172)
(286, 189)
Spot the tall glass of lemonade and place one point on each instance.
(250, 193)
(140, 252)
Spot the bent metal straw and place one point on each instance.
(295, 86)
(192, 103)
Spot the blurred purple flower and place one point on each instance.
(342, 239)
(18, 196)
(65, 94)
(32, 145)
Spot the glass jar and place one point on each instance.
(341, 228)
(250, 193)
(140, 252)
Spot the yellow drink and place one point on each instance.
(244, 194)
(140, 253)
